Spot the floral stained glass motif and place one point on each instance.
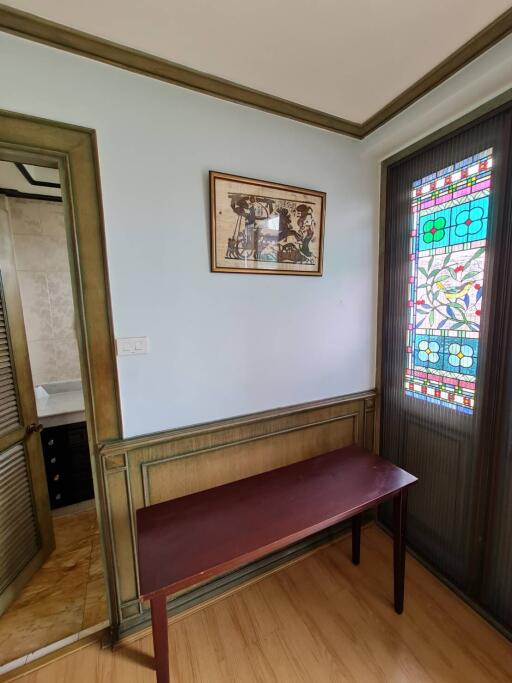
(448, 231)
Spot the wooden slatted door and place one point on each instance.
(26, 533)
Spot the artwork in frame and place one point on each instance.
(264, 227)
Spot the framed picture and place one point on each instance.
(263, 227)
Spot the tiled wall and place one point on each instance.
(43, 272)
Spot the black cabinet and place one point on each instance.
(67, 463)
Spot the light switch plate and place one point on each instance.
(129, 346)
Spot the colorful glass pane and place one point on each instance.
(448, 234)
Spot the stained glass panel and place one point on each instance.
(449, 215)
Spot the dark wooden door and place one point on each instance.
(444, 214)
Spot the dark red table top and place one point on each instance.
(184, 541)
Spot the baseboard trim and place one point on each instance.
(34, 665)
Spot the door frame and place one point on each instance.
(73, 150)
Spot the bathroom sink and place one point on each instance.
(61, 387)
(62, 401)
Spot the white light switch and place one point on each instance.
(128, 346)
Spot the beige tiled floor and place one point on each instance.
(64, 597)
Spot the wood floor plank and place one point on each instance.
(319, 620)
(434, 609)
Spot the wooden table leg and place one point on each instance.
(356, 538)
(399, 519)
(160, 642)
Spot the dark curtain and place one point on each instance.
(495, 587)
(460, 513)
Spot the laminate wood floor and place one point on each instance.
(65, 597)
(317, 620)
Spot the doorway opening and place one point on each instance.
(55, 593)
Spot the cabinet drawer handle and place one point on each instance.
(53, 460)
(56, 477)
(50, 442)
(58, 496)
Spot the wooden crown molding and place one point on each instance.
(50, 33)
(57, 35)
(482, 41)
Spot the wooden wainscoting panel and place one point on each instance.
(180, 475)
(121, 527)
(147, 470)
(218, 439)
(369, 423)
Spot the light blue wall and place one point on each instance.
(221, 344)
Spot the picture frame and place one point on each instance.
(262, 227)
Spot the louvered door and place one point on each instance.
(26, 534)
(9, 413)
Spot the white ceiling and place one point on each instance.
(342, 57)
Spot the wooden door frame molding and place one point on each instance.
(33, 27)
(73, 149)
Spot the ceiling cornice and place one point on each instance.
(500, 28)
(57, 35)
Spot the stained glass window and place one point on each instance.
(448, 233)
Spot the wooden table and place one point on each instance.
(184, 541)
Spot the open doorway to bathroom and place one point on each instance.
(64, 599)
